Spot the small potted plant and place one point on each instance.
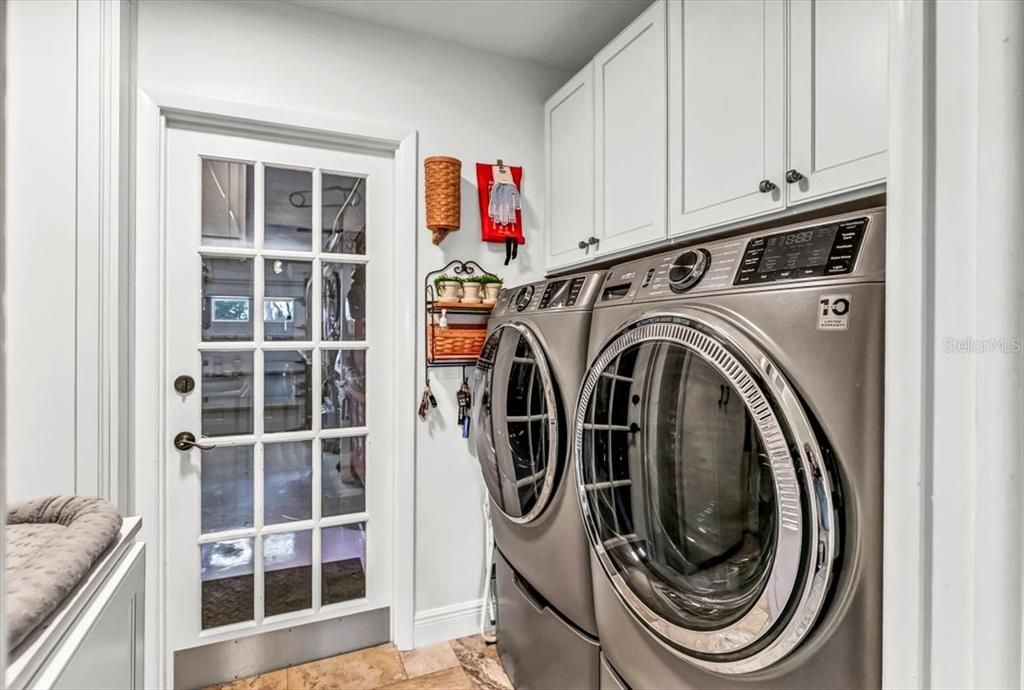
(471, 290)
(447, 288)
(492, 287)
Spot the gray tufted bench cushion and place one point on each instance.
(51, 545)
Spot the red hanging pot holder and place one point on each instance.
(491, 229)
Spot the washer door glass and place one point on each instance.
(703, 492)
(516, 421)
(680, 485)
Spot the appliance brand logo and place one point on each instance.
(833, 312)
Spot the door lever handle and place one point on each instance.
(186, 440)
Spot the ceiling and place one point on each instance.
(558, 33)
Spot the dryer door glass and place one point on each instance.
(703, 493)
(680, 485)
(516, 417)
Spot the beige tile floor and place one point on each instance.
(464, 664)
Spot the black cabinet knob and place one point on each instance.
(582, 244)
(793, 176)
(593, 240)
(766, 186)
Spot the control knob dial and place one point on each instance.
(523, 297)
(687, 269)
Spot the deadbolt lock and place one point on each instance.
(184, 384)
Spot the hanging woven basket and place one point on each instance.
(442, 185)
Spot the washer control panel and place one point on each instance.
(571, 293)
(562, 293)
(822, 250)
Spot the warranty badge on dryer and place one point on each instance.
(833, 312)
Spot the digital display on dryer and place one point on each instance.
(802, 249)
(815, 252)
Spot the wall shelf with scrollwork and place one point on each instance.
(453, 344)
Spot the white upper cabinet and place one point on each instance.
(726, 111)
(703, 114)
(569, 175)
(838, 83)
(630, 122)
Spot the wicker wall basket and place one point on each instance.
(457, 342)
(442, 187)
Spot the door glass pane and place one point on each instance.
(344, 214)
(514, 458)
(227, 483)
(227, 299)
(288, 204)
(287, 398)
(228, 202)
(344, 388)
(343, 569)
(288, 572)
(287, 286)
(343, 475)
(680, 485)
(227, 393)
(287, 482)
(227, 582)
(344, 301)
(527, 419)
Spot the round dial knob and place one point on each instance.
(688, 268)
(523, 297)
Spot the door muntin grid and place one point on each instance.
(280, 553)
(517, 423)
(696, 495)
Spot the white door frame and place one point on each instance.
(156, 112)
(954, 495)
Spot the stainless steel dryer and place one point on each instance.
(525, 389)
(728, 441)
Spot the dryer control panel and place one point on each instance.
(850, 247)
(822, 250)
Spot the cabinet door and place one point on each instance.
(569, 162)
(726, 111)
(838, 73)
(630, 120)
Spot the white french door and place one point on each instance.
(278, 351)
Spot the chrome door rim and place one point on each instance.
(540, 361)
(692, 330)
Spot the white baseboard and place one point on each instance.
(447, 622)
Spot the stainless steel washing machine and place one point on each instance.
(728, 442)
(525, 389)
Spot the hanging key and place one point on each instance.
(463, 398)
(425, 406)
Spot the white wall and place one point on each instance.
(464, 103)
(65, 166)
(40, 234)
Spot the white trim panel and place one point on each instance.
(447, 622)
